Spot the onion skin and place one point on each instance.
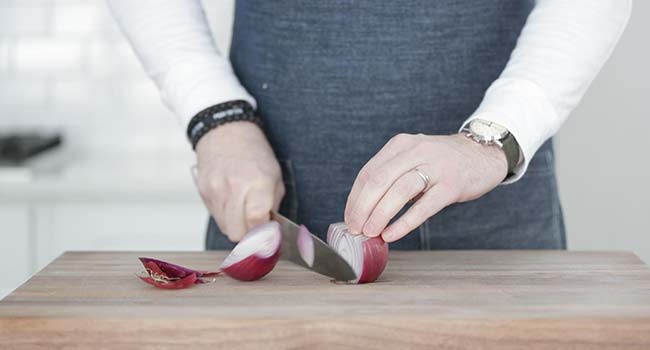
(255, 265)
(166, 275)
(182, 283)
(252, 268)
(173, 270)
(375, 259)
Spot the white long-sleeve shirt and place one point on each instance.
(560, 50)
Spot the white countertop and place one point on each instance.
(79, 179)
(4, 292)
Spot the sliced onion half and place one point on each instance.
(256, 254)
(367, 256)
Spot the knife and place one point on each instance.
(326, 260)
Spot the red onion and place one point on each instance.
(256, 254)
(367, 256)
(166, 275)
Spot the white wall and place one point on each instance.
(122, 180)
(64, 64)
(603, 150)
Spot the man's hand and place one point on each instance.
(239, 177)
(459, 170)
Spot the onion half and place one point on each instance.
(256, 254)
(367, 256)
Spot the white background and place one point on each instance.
(122, 179)
(603, 150)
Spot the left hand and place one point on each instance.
(459, 170)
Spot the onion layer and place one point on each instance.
(367, 256)
(256, 254)
(166, 275)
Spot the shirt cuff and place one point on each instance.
(192, 87)
(523, 108)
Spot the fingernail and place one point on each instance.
(369, 229)
(387, 236)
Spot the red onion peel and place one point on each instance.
(166, 275)
(367, 256)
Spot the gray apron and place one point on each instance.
(335, 80)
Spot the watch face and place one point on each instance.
(486, 130)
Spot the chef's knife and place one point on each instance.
(326, 260)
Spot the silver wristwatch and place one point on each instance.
(490, 133)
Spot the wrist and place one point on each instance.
(492, 155)
(489, 133)
(229, 134)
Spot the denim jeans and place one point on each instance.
(335, 80)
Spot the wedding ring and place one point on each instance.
(425, 178)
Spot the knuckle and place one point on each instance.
(401, 139)
(425, 147)
(355, 219)
(364, 175)
(378, 178)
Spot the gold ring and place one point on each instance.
(425, 178)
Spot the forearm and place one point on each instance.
(562, 47)
(174, 43)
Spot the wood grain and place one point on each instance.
(442, 300)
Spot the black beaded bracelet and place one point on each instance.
(220, 114)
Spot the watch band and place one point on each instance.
(511, 149)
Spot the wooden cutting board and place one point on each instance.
(441, 300)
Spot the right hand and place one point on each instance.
(239, 177)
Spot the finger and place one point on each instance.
(394, 146)
(279, 195)
(433, 200)
(232, 215)
(258, 204)
(376, 185)
(407, 187)
(211, 195)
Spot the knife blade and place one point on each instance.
(326, 260)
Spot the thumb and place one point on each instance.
(258, 205)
